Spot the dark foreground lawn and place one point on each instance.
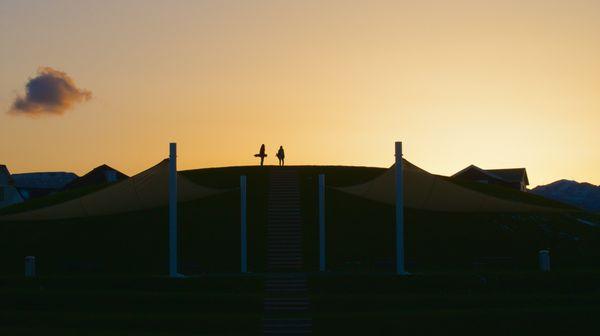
(524, 303)
(130, 306)
(510, 303)
(498, 293)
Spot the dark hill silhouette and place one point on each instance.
(582, 195)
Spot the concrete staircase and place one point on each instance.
(286, 303)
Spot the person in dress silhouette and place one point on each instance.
(281, 156)
(261, 154)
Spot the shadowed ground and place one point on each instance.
(516, 303)
(473, 272)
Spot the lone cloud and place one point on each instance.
(50, 92)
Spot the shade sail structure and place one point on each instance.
(426, 191)
(145, 190)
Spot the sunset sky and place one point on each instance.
(506, 83)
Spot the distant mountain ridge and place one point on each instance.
(43, 180)
(34, 185)
(583, 195)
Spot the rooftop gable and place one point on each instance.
(5, 175)
(506, 175)
(511, 174)
(95, 176)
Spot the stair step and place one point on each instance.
(279, 219)
(283, 225)
(288, 212)
(296, 261)
(285, 234)
(287, 256)
(294, 230)
(298, 288)
(275, 254)
(284, 249)
(285, 231)
(287, 292)
(286, 264)
(292, 236)
(305, 322)
(286, 286)
(286, 281)
(285, 228)
(287, 301)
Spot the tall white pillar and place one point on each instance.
(544, 260)
(322, 265)
(244, 232)
(30, 266)
(173, 269)
(399, 211)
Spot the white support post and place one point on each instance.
(322, 266)
(173, 269)
(30, 266)
(399, 212)
(244, 232)
(544, 260)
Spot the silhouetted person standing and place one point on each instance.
(281, 155)
(261, 154)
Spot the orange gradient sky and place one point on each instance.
(495, 83)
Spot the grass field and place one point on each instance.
(515, 303)
(130, 306)
(472, 273)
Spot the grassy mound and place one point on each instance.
(360, 233)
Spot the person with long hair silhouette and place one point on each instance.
(261, 154)
(281, 156)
